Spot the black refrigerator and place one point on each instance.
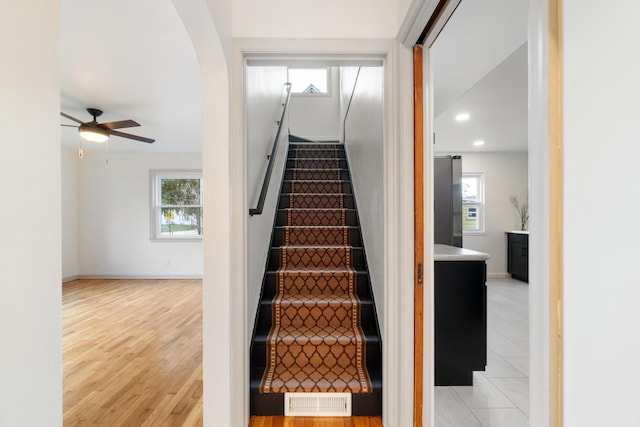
(447, 174)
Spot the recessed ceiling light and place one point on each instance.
(478, 143)
(462, 117)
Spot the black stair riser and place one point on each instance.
(362, 286)
(344, 174)
(346, 187)
(362, 404)
(351, 218)
(341, 163)
(355, 239)
(347, 201)
(265, 317)
(372, 352)
(294, 153)
(357, 259)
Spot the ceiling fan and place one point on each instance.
(100, 132)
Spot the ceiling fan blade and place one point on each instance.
(70, 118)
(70, 126)
(121, 124)
(134, 137)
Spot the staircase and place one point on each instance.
(316, 328)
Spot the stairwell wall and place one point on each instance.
(317, 116)
(364, 146)
(264, 97)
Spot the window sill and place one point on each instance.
(474, 233)
(176, 239)
(311, 95)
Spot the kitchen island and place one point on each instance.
(460, 314)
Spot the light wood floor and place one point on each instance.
(132, 356)
(132, 352)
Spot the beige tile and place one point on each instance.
(509, 417)
(450, 410)
(483, 394)
(516, 389)
(499, 396)
(497, 367)
(520, 363)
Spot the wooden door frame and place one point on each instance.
(546, 193)
(418, 267)
(397, 321)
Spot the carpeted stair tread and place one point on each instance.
(316, 233)
(314, 153)
(316, 333)
(329, 257)
(325, 380)
(317, 186)
(316, 282)
(317, 200)
(311, 174)
(318, 300)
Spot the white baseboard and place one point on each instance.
(69, 278)
(135, 277)
(498, 275)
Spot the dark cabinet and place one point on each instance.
(447, 200)
(518, 255)
(460, 321)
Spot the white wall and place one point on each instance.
(364, 145)
(505, 174)
(69, 187)
(114, 203)
(264, 95)
(317, 116)
(331, 19)
(601, 150)
(224, 395)
(348, 76)
(30, 299)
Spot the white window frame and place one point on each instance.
(321, 94)
(156, 206)
(481, 203)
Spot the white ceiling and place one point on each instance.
(134, 60)
(479, 64)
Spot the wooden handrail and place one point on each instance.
(267, 176)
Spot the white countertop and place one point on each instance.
(453, 253)
(518, 231)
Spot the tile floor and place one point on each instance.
(500, 395)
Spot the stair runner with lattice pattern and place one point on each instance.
(316, 343)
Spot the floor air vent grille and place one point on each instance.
(317, 404)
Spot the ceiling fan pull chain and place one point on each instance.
(107, 148)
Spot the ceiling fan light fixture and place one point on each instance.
(93, 134)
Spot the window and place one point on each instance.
(472, 203)
(309, 81)
(176, 204)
